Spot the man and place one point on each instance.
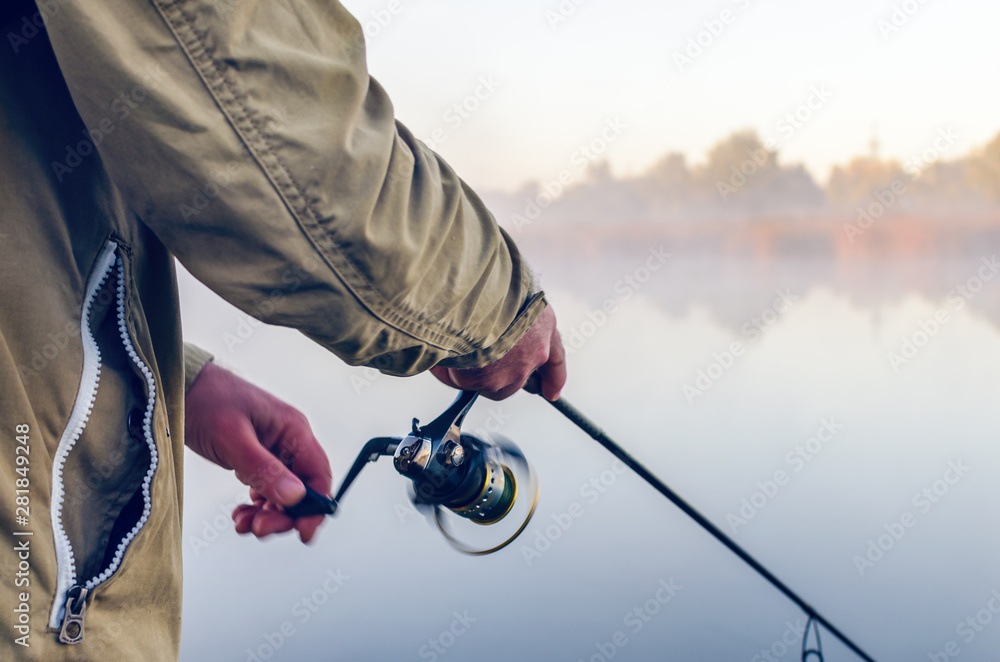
(246, 139)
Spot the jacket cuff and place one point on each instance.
(529, 312)
(195, 359)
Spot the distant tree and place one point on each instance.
(794, 189)
(943, 190)
(983, 172)
(599, 173)
(666, 185)
(670, 173)
(746, 180)
(855, 184)
(739, 161)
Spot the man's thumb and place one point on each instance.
(267, 475)
(289, 490)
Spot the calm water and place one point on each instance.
(807, 442)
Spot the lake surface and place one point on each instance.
(848, 440)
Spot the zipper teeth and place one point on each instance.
(82, 408)
(147, 428)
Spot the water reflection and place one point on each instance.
(587, 579)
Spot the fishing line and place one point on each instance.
(807, 652)
(595, 432)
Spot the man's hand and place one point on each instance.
(266, 442)
(539, 350)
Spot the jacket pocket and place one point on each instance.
(124, 515)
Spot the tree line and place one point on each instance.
(742, 177)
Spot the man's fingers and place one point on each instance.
(267, 522)
(444, 376)
(309, 460)
(505, 392)
(243, 518)
(474, 379)
(306, 526)
(260, 521)
(539, 349)
(257, 467)
(295, 458)
(553, 373)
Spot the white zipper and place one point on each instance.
(66, 563)
(74, 428)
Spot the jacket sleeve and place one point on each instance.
(250, 138)
(195, 358)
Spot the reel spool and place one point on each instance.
(458, 480)
(504, 494)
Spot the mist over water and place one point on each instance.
(864, 482)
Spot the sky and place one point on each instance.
(550, 75)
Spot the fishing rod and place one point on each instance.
(598, 435)
(476, 479)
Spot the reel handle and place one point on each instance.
(533, 385)
(313, 503)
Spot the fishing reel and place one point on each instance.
(457, 479)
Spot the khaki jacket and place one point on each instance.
(246, 139)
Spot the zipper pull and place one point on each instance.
(76, 607)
